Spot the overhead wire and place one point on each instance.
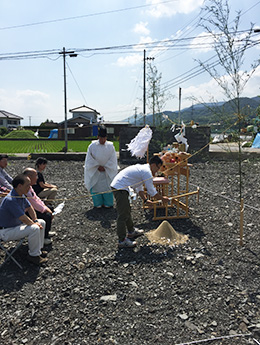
(76, 83)
(198, 70)
(171, 44)
(114, 49)
(182, 30)
(84, 15)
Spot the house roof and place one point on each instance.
(84, 109)
(74, 119)
(7, 115)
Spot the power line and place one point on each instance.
(76, 83)
(84, 16)
(138, 47)
(242, 13)
(198, 70)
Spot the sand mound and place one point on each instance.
(166, 235)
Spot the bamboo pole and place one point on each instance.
(241, 221)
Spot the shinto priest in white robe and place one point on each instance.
(100, 155)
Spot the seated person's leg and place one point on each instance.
(48, 219)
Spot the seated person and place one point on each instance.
(3, 192)
(15, 224)
(5, 179)
(42, 211)
(42, 188)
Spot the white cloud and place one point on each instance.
(141, 28)
(172, 8)
(206, 91)
(202, 43)
(143, 40)
(136, 58)
(252, 88)
(25, 103)
(129, 60)
(34, 97)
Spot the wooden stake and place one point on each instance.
(241, 220)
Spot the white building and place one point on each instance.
(9, 120)
(85, 112)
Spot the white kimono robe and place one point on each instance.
(100, 155)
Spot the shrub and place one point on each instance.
(3, 131)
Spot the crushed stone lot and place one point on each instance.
(90, 292)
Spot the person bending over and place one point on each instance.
(133, 176)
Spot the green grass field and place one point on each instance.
(44, 146)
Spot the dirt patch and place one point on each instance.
(92, 293)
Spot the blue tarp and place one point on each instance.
(53, 134)
(256, 143)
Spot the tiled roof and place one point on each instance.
(84, 109)
(5, 114)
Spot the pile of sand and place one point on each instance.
(166, 235)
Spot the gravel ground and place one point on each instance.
(92, 293)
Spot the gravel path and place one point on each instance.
(91, 293)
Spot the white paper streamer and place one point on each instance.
(180, 137)
(58, 209)
(138, 146)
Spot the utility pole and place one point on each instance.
(71, 54)
(30, 121)
(135, 109)
(179, 105)
(144, 96)
(153, 94)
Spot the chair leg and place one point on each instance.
(10, 255)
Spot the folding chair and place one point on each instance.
(9, 255)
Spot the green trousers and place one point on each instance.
(124, 218)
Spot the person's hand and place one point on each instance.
(149, 203)
(48, 210)
(165, 200)
(100, 168)
(39, 225)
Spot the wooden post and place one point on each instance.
(241, 220)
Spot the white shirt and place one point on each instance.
(100, 155)
(135, 176)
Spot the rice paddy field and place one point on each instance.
(44, 146)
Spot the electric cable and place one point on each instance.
(84, 16)
(76, 83)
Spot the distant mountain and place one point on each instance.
(204, 114)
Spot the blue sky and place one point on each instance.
(110, 80)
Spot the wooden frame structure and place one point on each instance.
(175, 185)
